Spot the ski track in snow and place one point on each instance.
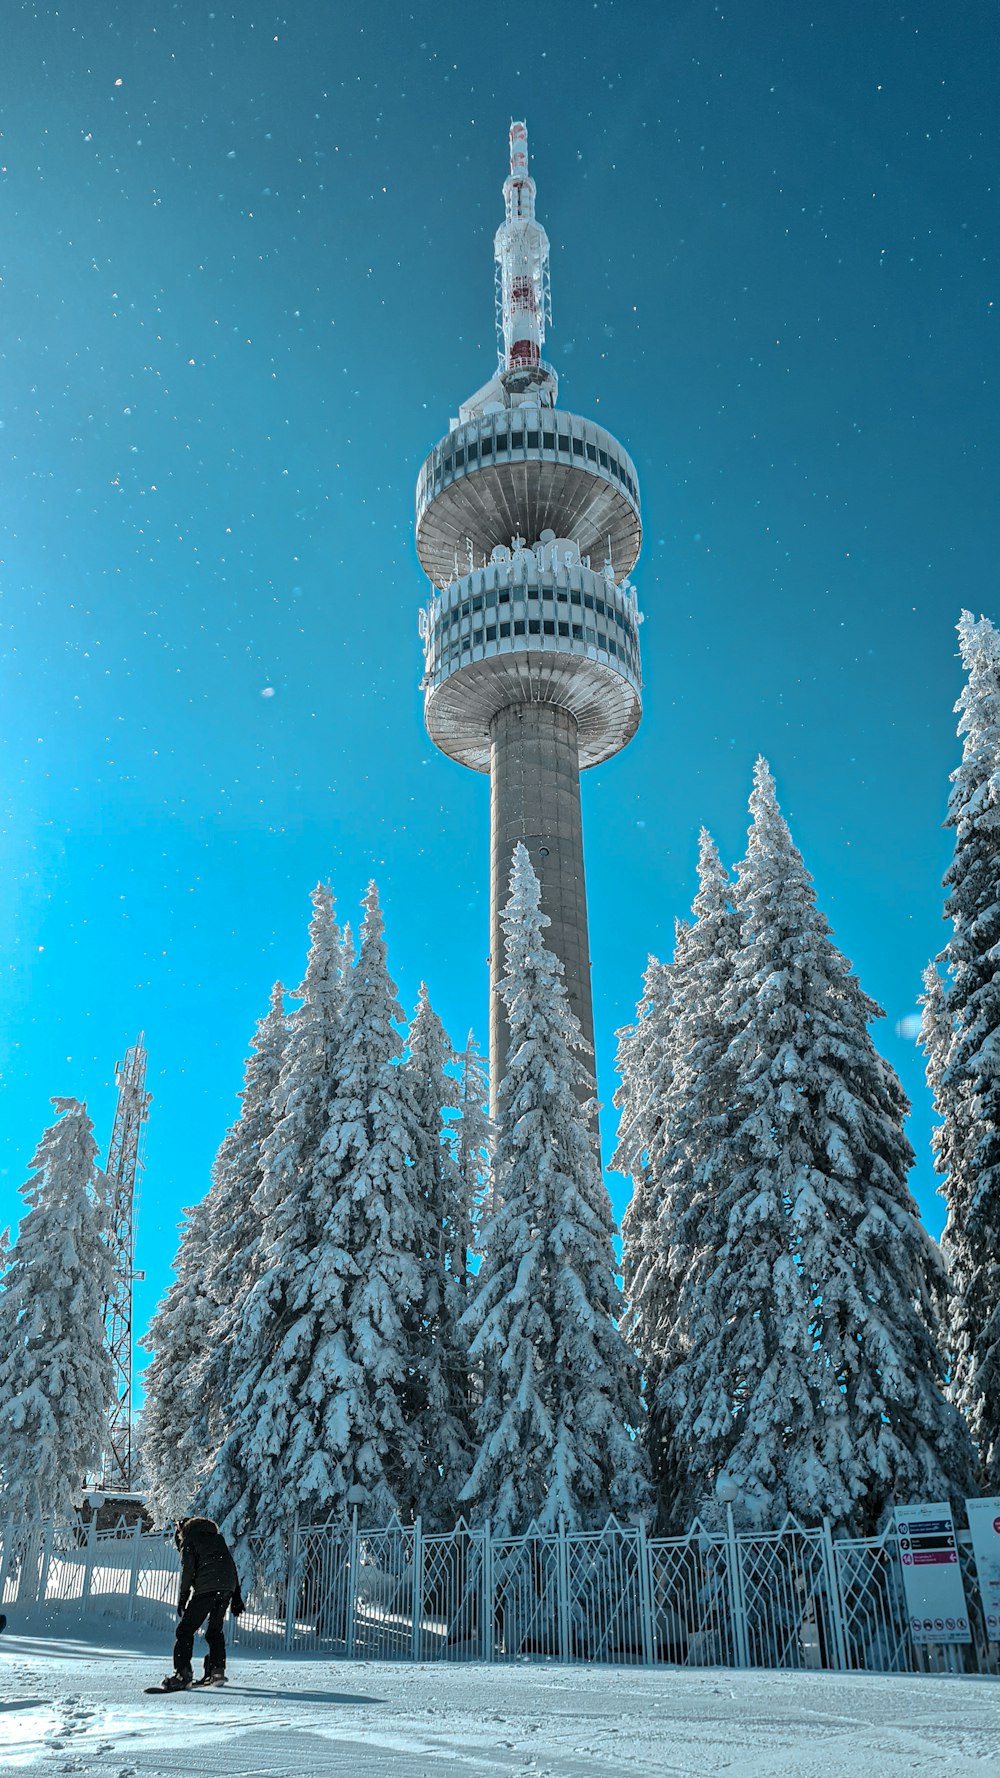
(72, 1701)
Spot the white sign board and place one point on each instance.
(984, 1523)
(932, 1577)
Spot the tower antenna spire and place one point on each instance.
(123, 1172)
(522, 255)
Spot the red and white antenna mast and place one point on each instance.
(123, 1170)
(522, 254)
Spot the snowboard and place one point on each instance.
(197, 1685)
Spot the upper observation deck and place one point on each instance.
(519, 472)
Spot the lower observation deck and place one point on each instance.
(519, 472)
(532, 630)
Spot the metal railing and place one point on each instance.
(795, 1598)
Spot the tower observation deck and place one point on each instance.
(528, 528)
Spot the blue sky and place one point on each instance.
(247, 276)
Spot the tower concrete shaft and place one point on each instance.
(535, 797)
(531, 653)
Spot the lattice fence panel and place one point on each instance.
(262, 1624)
(526, 1597)
(64, 1576)
(789, 1615)
(873, 1607)
(453, 1622)
(605, 1597)
(20, 1563)
(691, 1607)
(383, 1594)
(321, 1609)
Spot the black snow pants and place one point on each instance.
(212, 1606)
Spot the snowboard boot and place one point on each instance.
(214, 1676)
(178, 1682)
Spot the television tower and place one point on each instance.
(123, 1170)
(531, 652)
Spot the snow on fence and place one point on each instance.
(794, 1598)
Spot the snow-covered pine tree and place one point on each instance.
(295, 1306)
(473, 1146)
(56, 1378)
(236, 1210)
(644, 1061)
(559, 1385)
(813, 1375)
(962, 1028)
(371, 1242)
(189, 1384)
(677, 1095)
(176, 1440)
(439, 1381)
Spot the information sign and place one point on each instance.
(984, 1523)
(932, 1576)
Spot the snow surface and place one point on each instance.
(71, 1700)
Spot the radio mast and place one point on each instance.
(528, 528)
(123, 1172)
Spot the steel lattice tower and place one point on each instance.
(123, 1172)
(531, 653)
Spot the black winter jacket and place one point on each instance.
(206, 1564)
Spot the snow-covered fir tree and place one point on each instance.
(371, 1443)
(645, 1062)
(439, 1383)
(56, 1377)
(473, 1144)
(559, 1384)
(962, 1035)
(176, 1434)
(236, 1209)
(812, 1377)
(195, 1332)
(676, 1095)
(295, 1305)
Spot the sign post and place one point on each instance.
(984, 1523)
(932, 1576)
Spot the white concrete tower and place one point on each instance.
(528, 528)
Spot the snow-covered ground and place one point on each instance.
(71, 1700)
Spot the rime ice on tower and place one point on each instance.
(528, 527)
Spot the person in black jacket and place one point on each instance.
(209, 1588)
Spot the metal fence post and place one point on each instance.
(488, 1604)
(89, 1558)
(562, 1572)
(352, 1584)
(43, 1568)
(417, 1602)
(133, 1579)
(644, 1565)
(5, 1541)
(737, 1598)
(834, 1600)
(292, 1583)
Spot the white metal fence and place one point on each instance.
(794, 1598)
